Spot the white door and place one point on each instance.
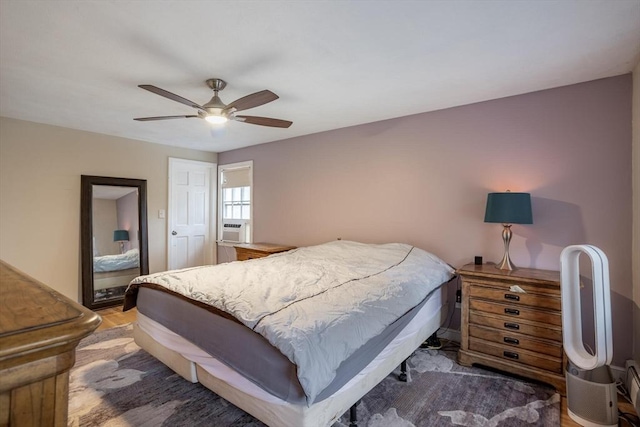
(191, 221)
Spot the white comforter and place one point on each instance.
(316, 304)
(129, 259)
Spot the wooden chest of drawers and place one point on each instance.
(514, 330)
(247, 251)
(39, 332)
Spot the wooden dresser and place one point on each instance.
(39, 332)
(507, 329)
(247, 251)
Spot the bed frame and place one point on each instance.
(116, 278)
(195, 365)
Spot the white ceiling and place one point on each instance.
(334, 64)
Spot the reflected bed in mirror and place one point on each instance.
(114, 237)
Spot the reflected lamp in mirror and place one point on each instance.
(508, 208)
(121, 236)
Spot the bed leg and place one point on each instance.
(353, 415)
(432, 343)
(403, 371)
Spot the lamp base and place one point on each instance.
(506, 263)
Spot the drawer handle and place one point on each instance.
(510, 355)
(512, 297)
(512, 326)
(512, 311)
(510, 340)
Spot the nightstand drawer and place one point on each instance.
(525, 357)
(505, 296)
(539, 330)
(517, 341)
(516, 312)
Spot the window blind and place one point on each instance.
(239, 177)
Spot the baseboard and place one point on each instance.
(450, 334)
(619, 373)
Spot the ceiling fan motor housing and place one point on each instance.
(215, 105)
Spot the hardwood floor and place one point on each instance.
(112, 317)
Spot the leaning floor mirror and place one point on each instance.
(113, 237)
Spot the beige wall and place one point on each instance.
(636, 212)
(40, 168)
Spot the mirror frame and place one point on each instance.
(86, 234)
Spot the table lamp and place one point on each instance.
(508, 208)
(121, 236)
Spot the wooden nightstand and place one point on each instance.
(517, 332)
(247, 251)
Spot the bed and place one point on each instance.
(297, 338)
(111, 271)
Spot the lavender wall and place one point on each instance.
(127, 207)
(105, 220)
(423, 180)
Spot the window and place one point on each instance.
(234, 205)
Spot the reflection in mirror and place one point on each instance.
(114, 237)
(116, 258)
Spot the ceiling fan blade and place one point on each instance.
(253, 100)
(264, 121)
(171, 96)
(148, 119)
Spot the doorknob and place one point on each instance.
(173, 233)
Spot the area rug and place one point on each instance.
(116, 383)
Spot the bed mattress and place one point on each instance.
(249, 353)
(195, 364)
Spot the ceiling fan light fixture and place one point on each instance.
(216, 120)
(217, 112)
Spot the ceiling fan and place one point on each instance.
(217, 112)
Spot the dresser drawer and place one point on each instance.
(538, 360)
(516, 340)
(505, 296)
(516, 312)
(540, 330)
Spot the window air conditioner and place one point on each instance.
(233, 230)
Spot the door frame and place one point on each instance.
(213, 191)
(220, 208)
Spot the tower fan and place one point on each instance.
(591, 390)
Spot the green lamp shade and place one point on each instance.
(509, 208)
(120, 235)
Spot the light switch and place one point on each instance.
(161, 214)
